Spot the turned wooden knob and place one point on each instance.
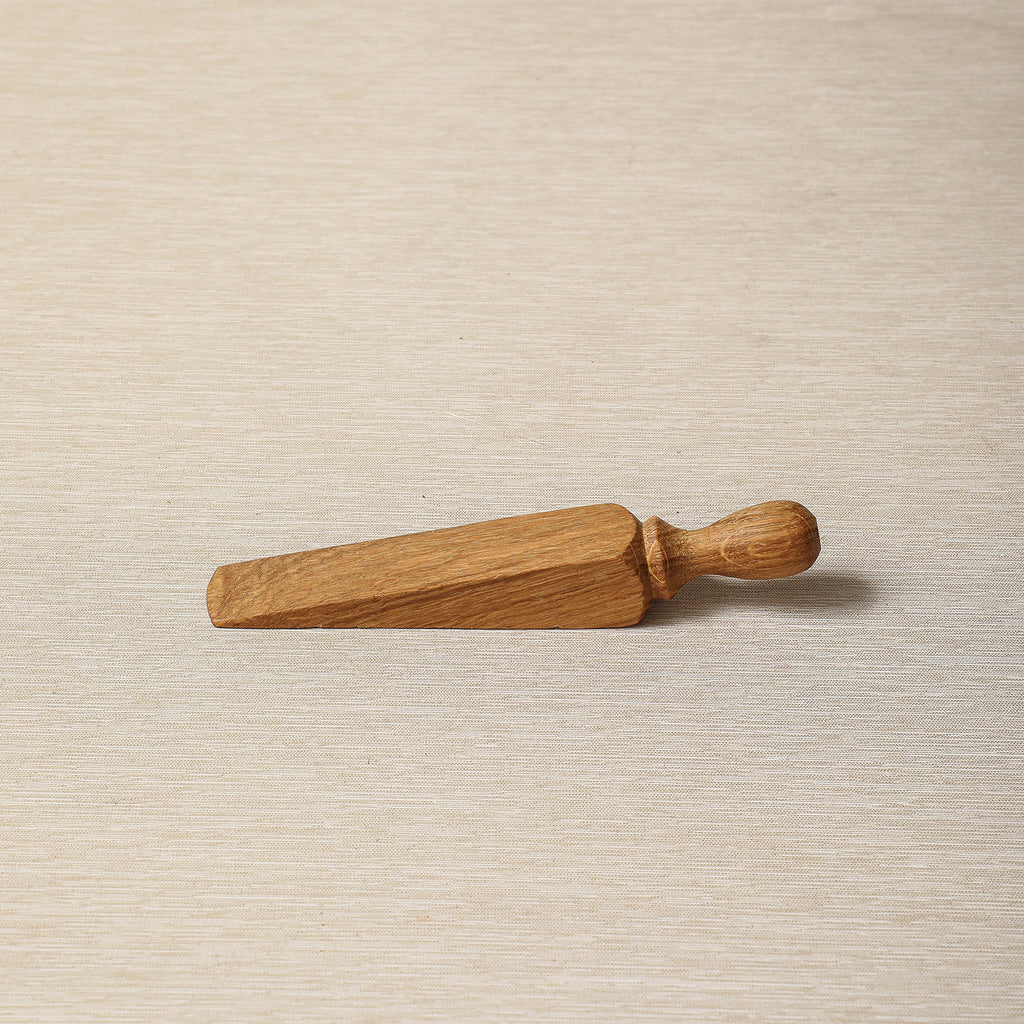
(763, 542)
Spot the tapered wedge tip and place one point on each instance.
(215, 599)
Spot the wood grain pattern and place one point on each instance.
(589, 567)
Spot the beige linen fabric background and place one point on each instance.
(280, 275)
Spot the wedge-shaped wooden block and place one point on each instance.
(578, 568)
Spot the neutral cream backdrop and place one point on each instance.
(279, 275)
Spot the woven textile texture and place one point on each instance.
(278, 275)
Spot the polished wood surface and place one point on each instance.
(595, 566)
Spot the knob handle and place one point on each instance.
(763, 542)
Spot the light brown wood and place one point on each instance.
(577, 568)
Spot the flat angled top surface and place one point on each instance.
(571, 568)
(469, 553)
(277, 275)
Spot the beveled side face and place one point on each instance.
(572, 569)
